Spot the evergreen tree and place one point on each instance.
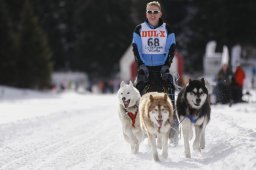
(105, 33)
(7, 48)
(34, 63)
(56, 18)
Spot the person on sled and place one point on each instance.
(153, 47)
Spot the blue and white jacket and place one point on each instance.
(153, 46)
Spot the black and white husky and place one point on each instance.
(193, 109)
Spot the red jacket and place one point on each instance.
(239, 76)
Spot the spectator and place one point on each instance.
(237, 89)
(222, 91)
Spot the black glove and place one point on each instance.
(165, 73)
(143, 70)
(165, 69)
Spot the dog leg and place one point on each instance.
(165, 145)
(131, 139)
(153, 147)
(198, 131)
(186, 130)
(131, 136)
(134, 148)
(139, 135)
(159, 141)
(202, 140)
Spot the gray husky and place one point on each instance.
(194, 110)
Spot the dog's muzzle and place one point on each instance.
(159, 121)
(126, 102)
(197, 103)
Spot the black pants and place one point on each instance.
(156, 82)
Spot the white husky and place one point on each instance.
(129, 98)
(156, 113)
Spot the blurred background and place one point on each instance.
(82, 44)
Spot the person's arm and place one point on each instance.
(170, 46)
(137, 45)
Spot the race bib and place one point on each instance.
(153, 40)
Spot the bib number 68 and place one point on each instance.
(153, 42)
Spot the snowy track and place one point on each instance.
(73, 131)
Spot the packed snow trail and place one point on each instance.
(75, 131)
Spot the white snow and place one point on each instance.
(82, 131)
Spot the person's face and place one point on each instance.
(153, 14)
(225, 67)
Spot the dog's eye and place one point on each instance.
(121, 93)
(128, 92)
(193, 93)
(201, 94)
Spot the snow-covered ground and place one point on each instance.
(82, 131)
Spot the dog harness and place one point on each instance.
(133, 117)
(193, 118)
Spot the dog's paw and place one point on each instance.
(187, 155)
(165, 155)
(156, 158)
(135, 149)
(196, 148)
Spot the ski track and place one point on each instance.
(90, 137)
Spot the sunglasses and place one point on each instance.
(153, 12)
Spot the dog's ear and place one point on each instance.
(151, 98)
(165, 97)
(202, 80)
(130, 83)
(189, 80)
(122, 84)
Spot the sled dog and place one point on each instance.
(193, 109)
(156, 113)
(129, 98)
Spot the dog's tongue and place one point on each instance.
(126, 103)
(160, 122)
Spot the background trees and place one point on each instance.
(34, 54)
(90, 36)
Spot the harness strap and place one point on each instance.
(133, 117)
(192, 118)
